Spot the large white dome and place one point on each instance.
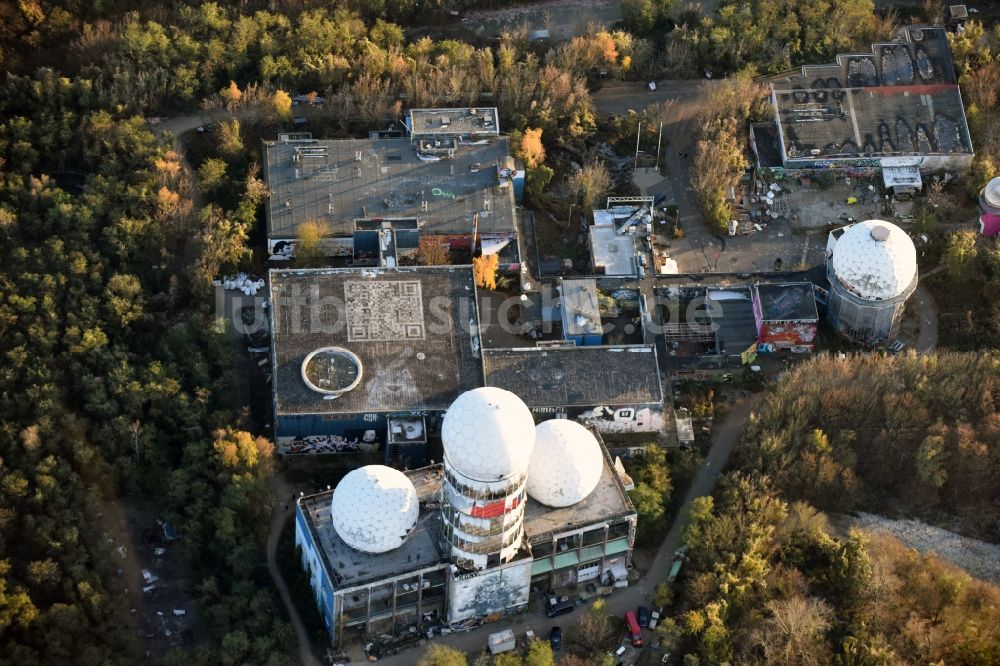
(488, 434)
(875, 260)
(566, 464)
(374, 508)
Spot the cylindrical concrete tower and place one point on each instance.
(488, 436)
(989, 200)
(872, 268)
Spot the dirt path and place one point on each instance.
(280, 516)
(979, 558)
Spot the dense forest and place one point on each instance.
(115, 384)
(917, 435)
(769, 581)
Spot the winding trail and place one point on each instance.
(279, 517)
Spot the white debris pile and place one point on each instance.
(980, 558)
(243, 282)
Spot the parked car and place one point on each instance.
(632, 629)
(555, 638)
(560, 608)
(642, 613)
(654, 619)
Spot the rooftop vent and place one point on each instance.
(880, 234)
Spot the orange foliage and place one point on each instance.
(484, 271)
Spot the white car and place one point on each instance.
(652, 85)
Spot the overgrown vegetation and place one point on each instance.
(914, 434)
(719, 159)
(114, 382)
(769, 581)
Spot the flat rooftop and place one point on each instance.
(732, 314)
(768, 144)
(889, 121)
(917, 55)
(469, 122)
(581, 313)
(408, 326)
(350, 567)
(611, 251)
(340, 182)
(900, 98)
(576, 376)
(424, 549)
(794, 301)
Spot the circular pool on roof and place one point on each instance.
(331, 370)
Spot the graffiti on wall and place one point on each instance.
(284, 249)
(609, 419)
(349, 443)
(788, 333)
(483, 593)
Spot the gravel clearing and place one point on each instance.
(979, 558)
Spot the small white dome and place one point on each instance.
(374, 508)
(991, 195)
(566, 464)
(488, 434)
(875, 260)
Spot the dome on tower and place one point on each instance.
(488, 434)
(566, 464)
(374, 508)
(875, 260)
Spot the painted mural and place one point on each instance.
(609, 419)
(788, 334)
(481, 593)
(284, 249)
(350, 442)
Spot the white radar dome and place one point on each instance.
(566, 464)
(875, 260)
(374, 508)
(990, 197)
(488, 434)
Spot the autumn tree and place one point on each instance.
(590, 184)
(433, 251)
(484, 270)
(442, 655)
(232, 95)
(595, 630)
(539, 654)
(795, 632)
(529, 148)
(309, 237)
(281, 105)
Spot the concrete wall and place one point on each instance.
(483, 593)
(608, 419)
(312, 564)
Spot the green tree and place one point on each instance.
(230, 138)
(211, 173)
(960, 254)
